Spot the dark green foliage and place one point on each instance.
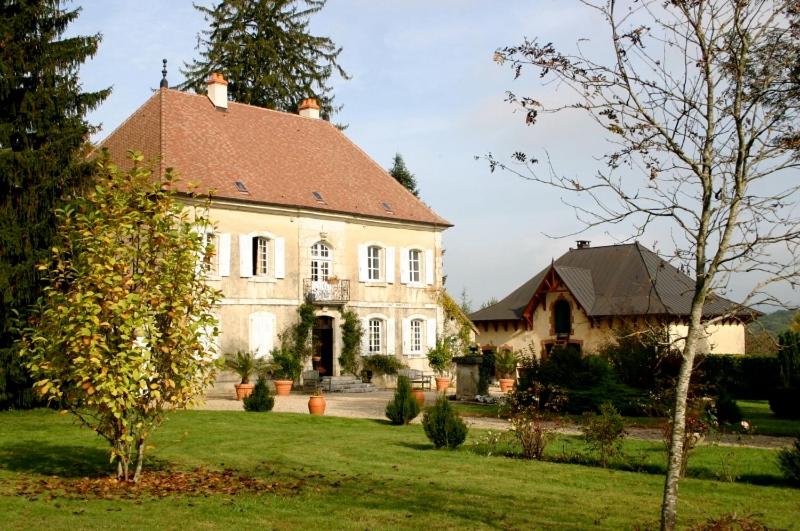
(265, 51)
(774, 324)
(286, 364)
(260, 399)
(636, 356)
(443, 426)
(352, 331)
(486, 372)
(42, 130)
(404, 407)
(407, 179)
(789, 462)
(785, 402)
(789, 358)
(301, 332)
(244, 364)
(604, 432)
(727, 411)
(380, 364)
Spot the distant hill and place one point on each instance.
(774, 323)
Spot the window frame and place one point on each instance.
(418, 261)
(321, 263)
(416, 337)
(258, 261)
(374, 263)
(375, 342)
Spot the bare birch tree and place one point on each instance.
(699, 102)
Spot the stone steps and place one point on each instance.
(345, 384)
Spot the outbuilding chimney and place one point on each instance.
(218, 91)
(309, 108)
(583, 244)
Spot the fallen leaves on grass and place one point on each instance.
(156, 483)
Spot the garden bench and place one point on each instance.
(417, 377)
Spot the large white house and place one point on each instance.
(299, 211)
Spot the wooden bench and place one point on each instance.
(417, 377)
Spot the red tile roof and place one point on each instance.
(281, 158)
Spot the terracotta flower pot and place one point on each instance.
(316, 405)
(506, 384)
(243, 390)
(442, 384)
(283, 387)
(419, 395)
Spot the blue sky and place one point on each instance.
(423, 84)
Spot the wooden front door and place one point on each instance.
(322, 341)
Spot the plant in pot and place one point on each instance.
(506, 361)
(244, 364)
(379, 364)
(316, 402)
(287, 368)
(440, 359)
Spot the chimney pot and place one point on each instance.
(218, 90)
(583, 244)
(309, 108)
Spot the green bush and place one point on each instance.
(486, 372)
(789, 462)
(605, 432)
(785, 403)
(727, 410)
(789, 358)
(380, 364)
(260, 399)
(404, 408)
(443, 426)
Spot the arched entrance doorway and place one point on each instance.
(322, 342)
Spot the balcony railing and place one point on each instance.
(331, 291)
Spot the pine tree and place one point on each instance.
(42, 130)
(402, 175)
(264, 50)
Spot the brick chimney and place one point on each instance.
(218, 91)
(309, 108)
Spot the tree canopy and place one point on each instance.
(401, 174)
(698, 99)
(42, 130)
(124, 330)
(266, 53)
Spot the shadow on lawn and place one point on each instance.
(55, 459)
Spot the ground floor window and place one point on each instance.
(375, 332)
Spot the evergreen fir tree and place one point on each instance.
(264, 50)
(402, 175)
(42, 130)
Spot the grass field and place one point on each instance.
(335, 473)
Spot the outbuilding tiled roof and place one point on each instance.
(279, 158)
(615, 280)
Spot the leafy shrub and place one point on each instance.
(635, 356)
(789, 358)
(352, 331)
(286, 364)
(532, 433)
(604, 432)
(785, 403)
(380, 364)
(440, 357)
(789, 462)
(443, 426)
(486, 372)
(727, 409)
(260, 399)
(506, 361)
(404, 408)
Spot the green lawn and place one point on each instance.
(346, 473)
(764, 422)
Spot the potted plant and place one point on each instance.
(440, 358)
(244, 364)
(316, 402)
(505, 361)
(419, 395)
(287, 368)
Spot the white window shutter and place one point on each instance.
(262, 331)
(280, 258)
(245, 255)
(429, 267)
(390, 337)
(362, 263)
(406, 335)
(224, 254)
(404, 265)
(269, 339)
(430, 333)
(390, 265)
(365, 337)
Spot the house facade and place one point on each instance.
(589, 292)
(300, 213)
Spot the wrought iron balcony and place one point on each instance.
(331, 291)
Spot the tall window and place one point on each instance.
(562, 318)
(416, 335)
(260, 256)
(414, 265)
(320, 261)
(375, 335)
(373, 262)
(210, 261)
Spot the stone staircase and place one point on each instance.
(345, 384)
